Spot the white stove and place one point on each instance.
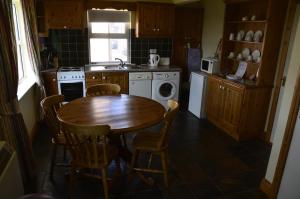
(71, 82)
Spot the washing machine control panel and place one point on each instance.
(165, 75)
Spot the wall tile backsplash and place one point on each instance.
(71, 47)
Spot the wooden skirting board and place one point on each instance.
(265, 186)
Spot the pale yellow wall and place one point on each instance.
(29, 106)
(213, 20)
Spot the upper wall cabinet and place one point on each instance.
(63, 14)
(154, 20)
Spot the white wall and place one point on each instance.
(213, 20)
(290, 182)
(285, 98)
(29, 105)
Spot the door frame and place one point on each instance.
(285, 43)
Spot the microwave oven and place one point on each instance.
(210, 65)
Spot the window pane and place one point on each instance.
(119, 49)
(99, 27)
(99, 49)
(20, 62)
(117, 28)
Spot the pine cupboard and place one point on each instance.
(154, 19)
(240, 107)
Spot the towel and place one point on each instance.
(194, 59)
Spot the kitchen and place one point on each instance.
(152, 54)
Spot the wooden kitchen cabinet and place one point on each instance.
(237, 109)
(154, 20)
(121, 78)
(64, 14)
(50, 82)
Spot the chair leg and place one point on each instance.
(165, 167)
(104, 182)
(134, 158)
(53, 159)
(72, 181)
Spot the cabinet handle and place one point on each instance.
(103, 77)
(157, 29)
(93, 77)
(54, 80)
(220, 87)
(154, 29)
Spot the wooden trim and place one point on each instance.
(265, 186)
(131, 6)
(288, 135)
(281, 65)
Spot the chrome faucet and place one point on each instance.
(121, 62)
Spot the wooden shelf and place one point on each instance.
(248, 62)
(246, 42)
(244, 22)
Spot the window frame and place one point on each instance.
(28, 79)
(125, 35)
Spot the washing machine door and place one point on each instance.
(166, 90)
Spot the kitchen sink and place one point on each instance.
(96, 67)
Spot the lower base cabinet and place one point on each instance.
(239, 110)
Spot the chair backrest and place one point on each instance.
(103, 89)
(50, 105)
(87, 144)
(173, 108)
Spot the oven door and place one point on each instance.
(71, 89)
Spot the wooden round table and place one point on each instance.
(123, 113)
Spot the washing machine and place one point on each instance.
(165, 86)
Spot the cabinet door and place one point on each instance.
(231, 112)
(213, 99)
(93, 78)
(63, 14)
(50, 83)
(117, 78)
(146, 19)
(165, 20)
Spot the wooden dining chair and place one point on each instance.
(50, 105)
(89, 150)
(155, 143)
(103, 89)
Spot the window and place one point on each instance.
(25, 72)
(108, 35)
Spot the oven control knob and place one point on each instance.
(76, 77)
(167, 76)
(64, 77)
(72, 77)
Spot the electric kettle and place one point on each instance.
(154, 59)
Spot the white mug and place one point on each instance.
(239, 37)
(239, 56)
(253, 18)
(231, 36)
(231, 55)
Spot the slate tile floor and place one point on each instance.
(204, 163)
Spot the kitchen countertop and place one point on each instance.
(141, 68)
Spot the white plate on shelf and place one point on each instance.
(249, 36)
(257, 36)
(240, 35)
(256, 55)
(245, 53)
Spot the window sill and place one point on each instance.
(24, 86)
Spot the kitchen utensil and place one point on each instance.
(255, 55)
(154, 59)
(231, 55)
(257, 36)
(164, 61)
(245, 53)
(249, 35)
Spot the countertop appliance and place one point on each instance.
(71, 82)
(198, 94)
(165, 86)
(140, 84)
(210, 65)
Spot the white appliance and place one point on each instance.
(71, 82)
(11, 186)
(154, 60)
(140, 84)
(165, 86)
(197, 94)
(210, 65)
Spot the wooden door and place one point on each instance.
(165, 20)
(214, 99)
(93, 78)
(50, 83)
(120, 78)
(231, 109)
(146, 19)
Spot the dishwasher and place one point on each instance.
(140, 84)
